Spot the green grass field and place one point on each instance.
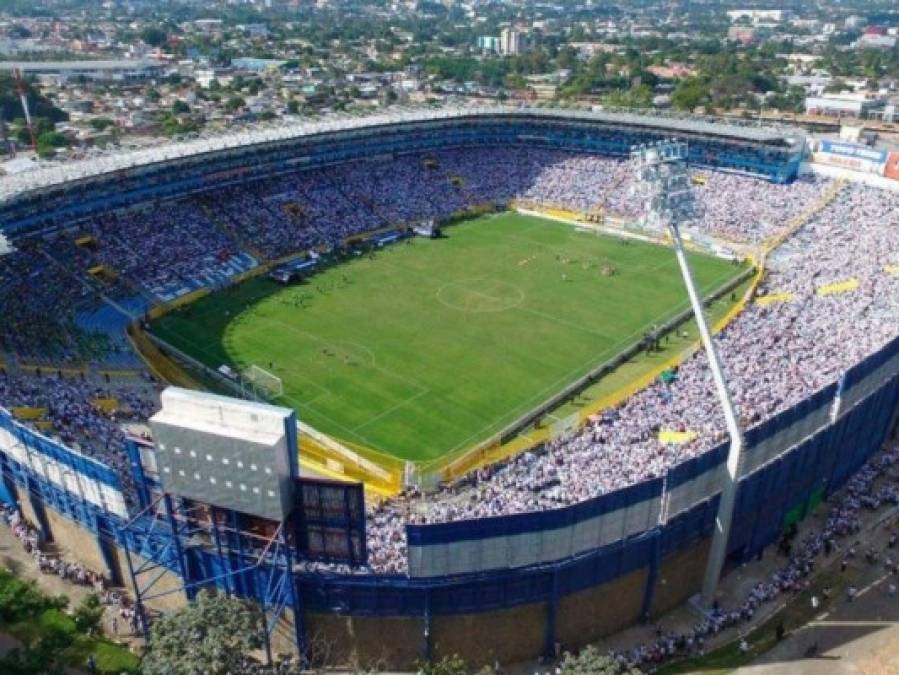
(433, 346)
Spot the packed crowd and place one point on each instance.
(730, 207)
(73, 415)
(49, 300)
(321, 207)
(167, 245)
(171, 248)
(870, 489)
(775, 355)
(37, 302)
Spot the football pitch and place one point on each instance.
(429, 347)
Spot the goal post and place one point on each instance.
(263, 383)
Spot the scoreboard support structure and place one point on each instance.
(224, 507)
(180, 537)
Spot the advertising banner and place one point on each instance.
(851, 156)
(853, 150)
(891, 170)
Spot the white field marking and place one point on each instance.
(572, 374)
(326, 341)
(298, 404)
(206, 350)
(483, 432)
(513, 303)
(291, 369)
(393, 409)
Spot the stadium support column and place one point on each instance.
(663, 182)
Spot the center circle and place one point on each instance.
(480, 295)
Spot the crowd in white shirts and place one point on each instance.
(843, 523)
(775, 355)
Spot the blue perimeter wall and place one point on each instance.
(830, 435)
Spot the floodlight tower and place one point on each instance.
(23, 98)
(662, 178)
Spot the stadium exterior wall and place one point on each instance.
(793, 461)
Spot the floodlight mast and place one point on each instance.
(662, 177)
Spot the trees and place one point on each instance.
(448, 665)
(101, 123)
(88, 614)
(234, 103)
(48, 141)
(635, 97)
(153, 36)
(40, 106)
(20, 600)
(43, 657)
(691, 93)
(176, 126)
(211, 636)
(590, 662)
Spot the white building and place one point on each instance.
(875, 41)
(512, 41)
(844, 105)
(489, 43)
(758, 15)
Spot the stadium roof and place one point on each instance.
(57, 174)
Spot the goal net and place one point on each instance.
(263, 383)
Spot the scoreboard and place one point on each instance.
(239, 455)
(330, 521)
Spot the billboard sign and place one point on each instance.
(853, 151)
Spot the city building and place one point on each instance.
(489, 43)
(512, 41)
(843, 105)
(757, 16)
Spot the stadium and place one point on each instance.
(434, 373)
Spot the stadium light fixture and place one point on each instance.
(663, 180)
